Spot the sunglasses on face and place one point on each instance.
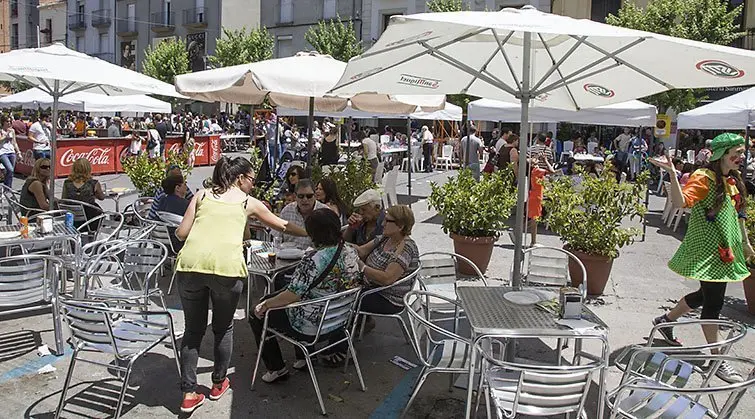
(44, 166)
(305, 195)
(390, 220)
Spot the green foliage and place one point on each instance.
(237, 46)
(147, 174)
(700, 20)
(589, 216)
(445, 6)
(351, 180)
(166, 60)
(15, 86)
(335, 38)
(750, 220)
(472, 208)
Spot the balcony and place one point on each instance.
(126, 27)
(196, 17)
(101, 18)
(77, 22)
(107, 56)
(163, 22)
(14, 9)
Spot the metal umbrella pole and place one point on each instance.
(409, 156)
(53, 141)
(310, 140)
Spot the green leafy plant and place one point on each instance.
(335, 38)
(147, 174)
(750, 221)
(166, 60)
(472, 208)
(445, 6)
(237, 46)
(351, 179)
(589, 216)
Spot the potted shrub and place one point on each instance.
(589, 217)
(146, 174)
(474, 213)
(749, 283)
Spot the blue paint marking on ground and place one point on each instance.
(30, 367)
(394, 403)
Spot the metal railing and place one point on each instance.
(125, 26)
(163, 20)
(77, 21)
(195, 16)
(102, 17)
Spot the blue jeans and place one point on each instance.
(9, 163)
(41, 154)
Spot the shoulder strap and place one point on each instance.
(327, 269)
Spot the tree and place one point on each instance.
(335, 38)
(166, 60)
(15, 86)
(700, 20)
(444, 6)
(240, 47)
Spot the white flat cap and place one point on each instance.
(370, 196)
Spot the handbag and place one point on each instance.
(317, 280)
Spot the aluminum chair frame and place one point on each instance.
(140, 208)
(527, 258)
(15, 208)
(548, 379)
(652, 395)
(22, 288)
(77, 208)
(340, 316)
(168, 220)
(125, 334)
(409, 278)
(7, 197)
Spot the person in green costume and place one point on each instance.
(715, 248)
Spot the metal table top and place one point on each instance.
(261, 265)
(489, 313)
(60, 231)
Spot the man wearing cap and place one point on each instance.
(297, 212)
(368, 218)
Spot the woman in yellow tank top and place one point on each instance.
(211, 267)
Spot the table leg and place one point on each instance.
(78, 285)
(602, 382)
(470, 381)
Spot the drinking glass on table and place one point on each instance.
(277, 242)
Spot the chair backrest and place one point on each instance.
(443, 268)
(108, 226)
(591, 147)
(390, 186)
(171, 219)
(379, 172)
(138, 260)
(691, 156)
(141, 207)
(416, 153)
(447, 151)
(74, 207)
(336, 312)
(550, 266)
(137, 232)
(28, 279)
(422, 328)
(161, 233)
(568, 146)
(385, 139)
(91, 326)
(8, 203)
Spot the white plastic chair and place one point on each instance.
(446, 157)
(416, 160)
(691, 156)
(389, 187)
(379, 171)
(568, 150)
(591, 147)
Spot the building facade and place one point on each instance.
(4, 25)
(22, 21)
(53, 16)
(91, 28)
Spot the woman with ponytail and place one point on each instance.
(211, 267)
(715, 248)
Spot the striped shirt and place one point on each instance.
(538, 149)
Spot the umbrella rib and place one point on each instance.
(487, 77)
(556, 65)
(591, 65)
(503, 53)
(64, 91)
(631, 66)
(558, 70)
(415, 56)
(483, 68)
(44, 83)
(574, 79)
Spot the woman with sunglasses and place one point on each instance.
(211, 267)
(293, 175)
(36, 189)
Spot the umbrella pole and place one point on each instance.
(516, 280)
(748, 150)
(349, 138)
(53, 141)
(409, 156)
(310, 140)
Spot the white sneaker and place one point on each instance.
(727, 373)
(273, 376)
(300, 364)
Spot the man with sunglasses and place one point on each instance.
(297, 212)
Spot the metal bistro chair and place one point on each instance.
(132, 268)
(535, 389)
(410, 280)
(124, 334)
(30, 282)
(336, 312)
(7, 197)
(448, 355)
(140, 209)
(77, 208)
(546, 265)
(163, 232)
(653, 397)
(109, 225)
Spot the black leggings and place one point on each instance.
(710, 296)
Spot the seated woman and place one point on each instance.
(293, 174)
(309, 281)
(36, 189)
(388, 259)
(327, 193)
(81, 187)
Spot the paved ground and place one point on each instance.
(641, 287)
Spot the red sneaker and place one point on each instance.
(190, 405)
(218, 390)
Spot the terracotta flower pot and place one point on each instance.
(476, 249)
(749, 286)
(598, 271)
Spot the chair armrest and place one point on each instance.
(740, 330)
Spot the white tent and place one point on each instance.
(451, 112)
(632, 113)
(86, 102)
(733, 112)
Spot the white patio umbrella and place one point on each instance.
(300, 82)
(60, 71)
(85, 102)
(733, 112)
(536, 59)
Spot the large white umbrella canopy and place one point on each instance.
(450, 112)
(630, 113)
(733, 112)
(536, 58)
(85, 102)
(60, 71)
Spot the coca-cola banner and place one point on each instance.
(100, 153)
